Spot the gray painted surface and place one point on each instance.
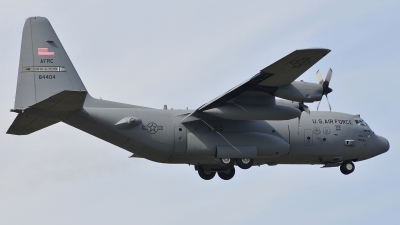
(193, 137)
(34, 86)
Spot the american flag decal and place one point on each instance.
(44, 52)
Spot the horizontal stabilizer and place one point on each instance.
(26, 124)
(30, 120)
(65, 101)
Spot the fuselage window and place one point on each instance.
(361, 122)
(367, 133)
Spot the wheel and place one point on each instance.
(244, 163)
(225, 162)
(206, 174)
(347, 167)
(227, 174)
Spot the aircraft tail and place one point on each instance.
(48, 84)
(45, 68)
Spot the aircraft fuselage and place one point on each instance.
(159, 135)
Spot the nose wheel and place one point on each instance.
(347, 167)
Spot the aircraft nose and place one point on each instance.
(381, 145)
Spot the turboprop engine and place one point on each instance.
(306, 92)
(300, 91)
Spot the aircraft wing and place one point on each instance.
(280, 73)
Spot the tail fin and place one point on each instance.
(45, 68)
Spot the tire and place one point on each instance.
(245, 163)
(225, 162)
(206, 174)
(347, 167)
(228, 174)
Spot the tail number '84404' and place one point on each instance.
(47, 76)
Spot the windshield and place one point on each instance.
(360, 122)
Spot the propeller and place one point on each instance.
(325, 86)
(304, 108)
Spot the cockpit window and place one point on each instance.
(360, 122)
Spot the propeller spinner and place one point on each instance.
(325, 86)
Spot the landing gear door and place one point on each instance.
(180, 140)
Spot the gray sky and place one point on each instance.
(190, 53)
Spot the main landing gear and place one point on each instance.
(209, 173)
(245, 163)
(242, 163)
(225, 168)
(206, 174)
(227, 174)
(347, 167)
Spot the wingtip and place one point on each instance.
(322, 49)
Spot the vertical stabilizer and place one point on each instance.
(44, 68)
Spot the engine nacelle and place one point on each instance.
(254, 112)
(300, 92)
(288, 103)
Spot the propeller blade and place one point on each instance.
(330, 108)
(328, 77)
(298, 125)
(306, 109)
(319, 77)
(325, 85)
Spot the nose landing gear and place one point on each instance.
(347, 167)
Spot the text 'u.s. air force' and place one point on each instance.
(331, 121)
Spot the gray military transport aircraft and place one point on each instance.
(244, 127)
